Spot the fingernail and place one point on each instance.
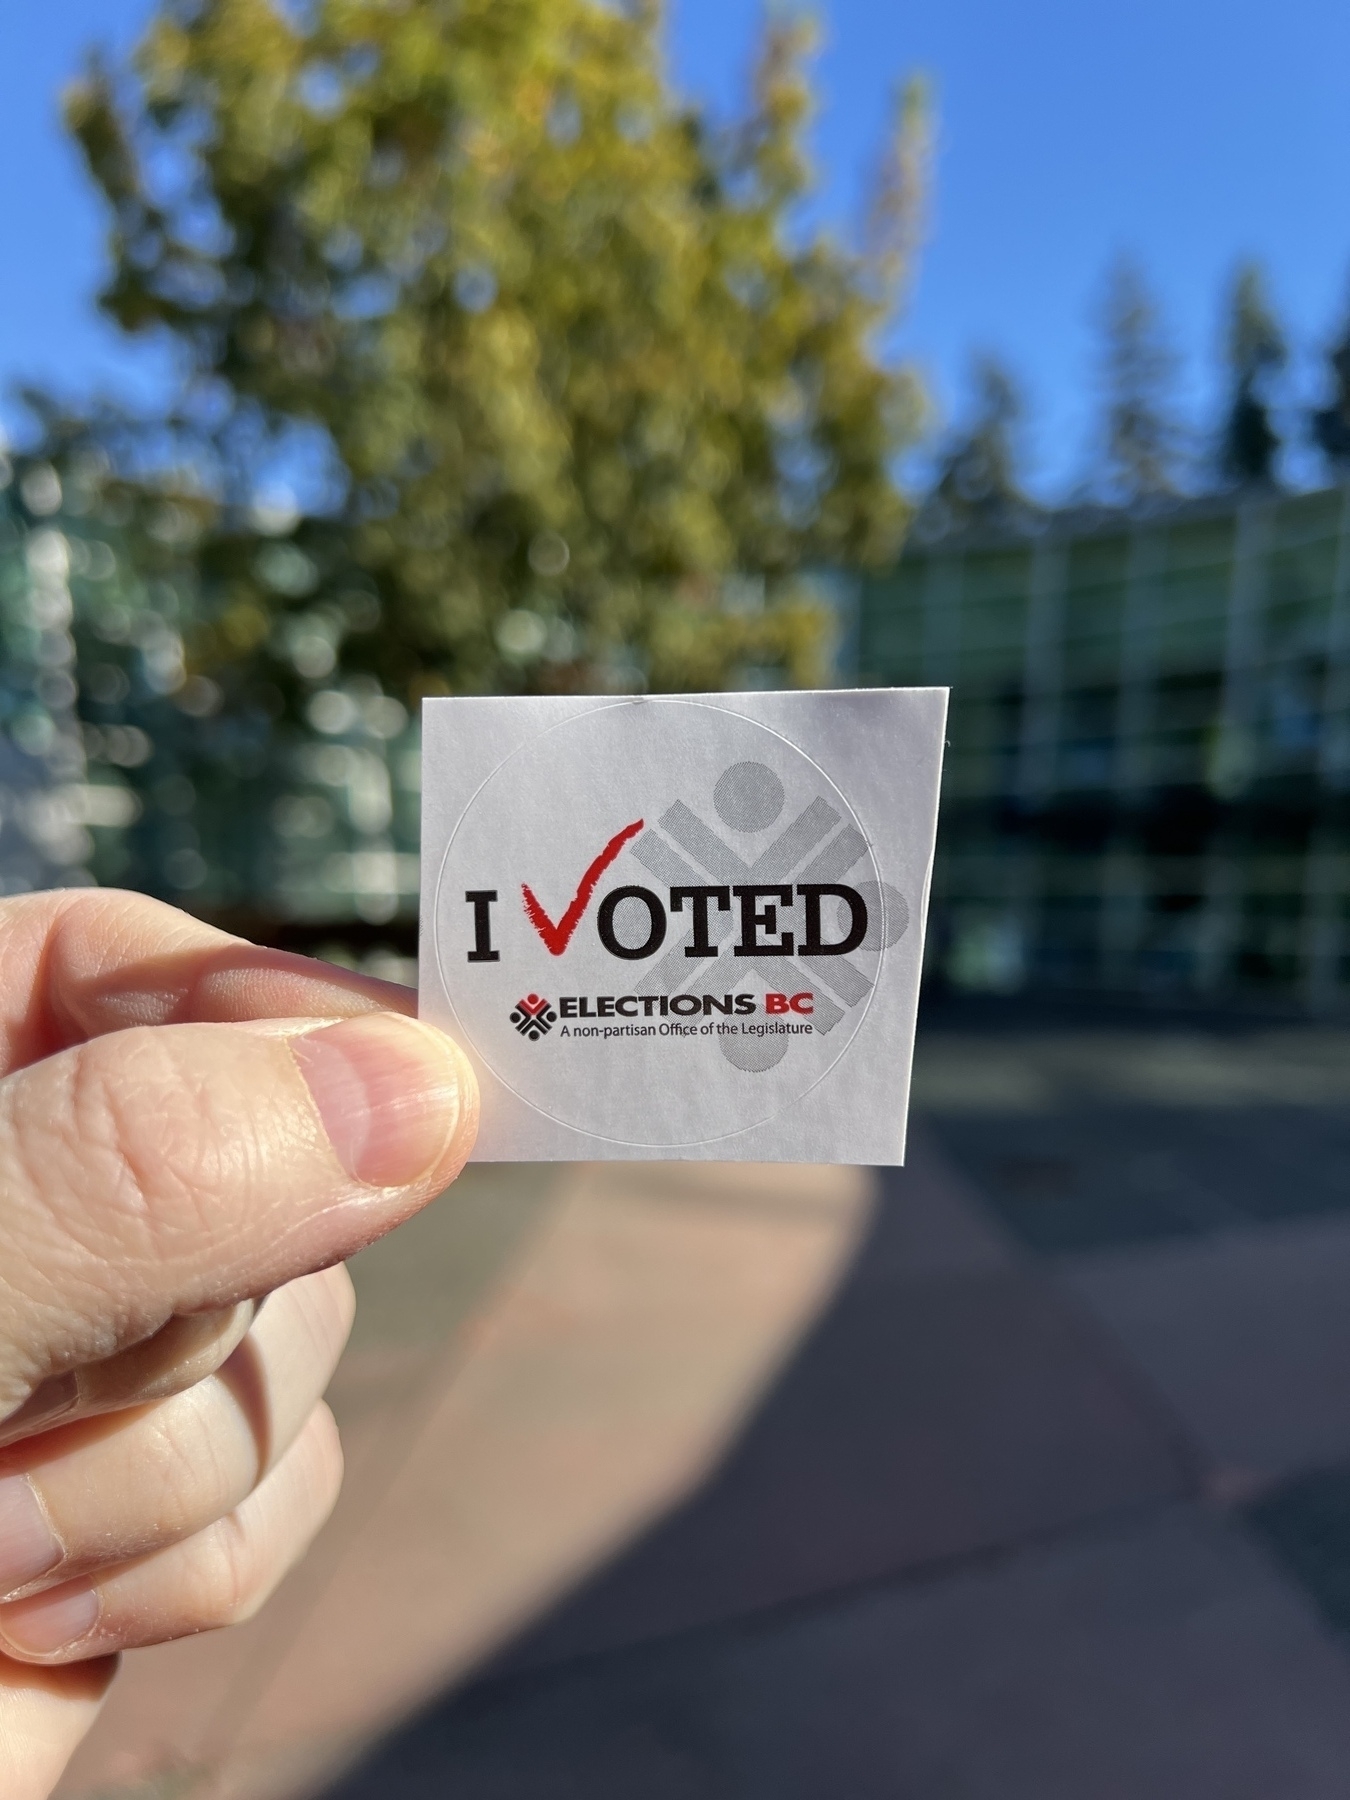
(28, 1545)
(388, 1092)
(50, 1622)
(46, 1406)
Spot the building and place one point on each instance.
(1147, 785)
(1148, 776)
(45, 799)
(119, 764)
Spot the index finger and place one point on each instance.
(77, 963)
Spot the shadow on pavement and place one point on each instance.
(950, 1406)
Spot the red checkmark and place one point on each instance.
(557, 937)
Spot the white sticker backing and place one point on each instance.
(681, 927)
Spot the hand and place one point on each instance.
(187, 1123)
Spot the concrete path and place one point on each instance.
(1047, 1498)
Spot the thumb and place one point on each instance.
(178, 1168)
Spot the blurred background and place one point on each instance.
(355, 351)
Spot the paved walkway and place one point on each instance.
(1049, 1499)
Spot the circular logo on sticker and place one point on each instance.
(660, 923)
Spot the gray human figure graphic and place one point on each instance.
(749, 797)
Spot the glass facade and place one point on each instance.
(121, 765)
(46, 802)
(1148, 777)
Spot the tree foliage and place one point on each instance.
(1331, 423)
(1256, 352)
(1141, 439)
(978, 478)
(542, 350)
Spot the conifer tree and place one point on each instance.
(1256, 352)
(1331, 423)
(1140, 435)
(978, 483)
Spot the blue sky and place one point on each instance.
(1188, 132)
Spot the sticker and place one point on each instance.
(685, 927)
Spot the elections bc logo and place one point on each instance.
(533, 1017)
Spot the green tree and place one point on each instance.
(978, 481)
(1140, 436)
(547, 355)
(1331, 423)
(1256, 352)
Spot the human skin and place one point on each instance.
(188, 1124)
